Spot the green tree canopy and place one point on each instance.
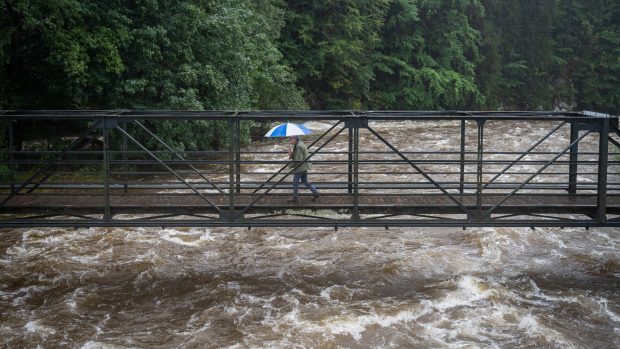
(146, 54)
(428, 56)
(588, 41)
(158, 54)
(328, 54)
(332, 45)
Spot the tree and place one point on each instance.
(146, 54)
(429, 52)
(59, 54)
(588, 35)
(331, 44)
(519, 65)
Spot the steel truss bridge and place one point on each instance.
(373, 168)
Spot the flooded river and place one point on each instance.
(313, 288)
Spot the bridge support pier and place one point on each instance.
(232, 141)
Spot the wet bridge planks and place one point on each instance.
(387, 203)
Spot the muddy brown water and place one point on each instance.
(314, 288)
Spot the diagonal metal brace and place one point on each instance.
(49, 164)
(177, 154)
(524, 154)
(555, 158)
(428, 178)
(51, 173)
(170, 169)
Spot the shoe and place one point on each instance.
(294, 199)
(315, 196)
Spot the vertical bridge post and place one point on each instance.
(477, 215)
(106, 123)
(354, 124)
(603, 158)
(231, 168)
(480, 163)
(11, 155)
(356, 158)
(350, 163)
(573, 159)
(462, 175)
(238, 155)
(126, 166)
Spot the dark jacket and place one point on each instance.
(300, 153)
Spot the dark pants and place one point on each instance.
(303, 176)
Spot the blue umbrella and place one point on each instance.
(288, 130)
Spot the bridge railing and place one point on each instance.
(372, 168)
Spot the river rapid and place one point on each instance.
(314, 288)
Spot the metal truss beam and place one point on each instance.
(220, 189)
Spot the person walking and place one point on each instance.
(299, 154)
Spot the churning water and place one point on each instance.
(310, 288)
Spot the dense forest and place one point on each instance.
(277, 54)
(317, 54)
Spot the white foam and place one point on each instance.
(602, 302)
(277, 241)
(99, 345)
(194, 237)
(319, 263)
(536, 292)
(470, 289)
(261, 170)
(318, 126)
(34, 326)
(355, 326)
(533, 328)
(211, 254)
(326, 293)
(91, 259)
(234, 346)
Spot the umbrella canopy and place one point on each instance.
(288, 130)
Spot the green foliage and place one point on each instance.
(428, 56)
(550, 54)
(191, 134)
(331, 44)
(291, 54)
(519, 58)
(146, 54)
(6, 175)
(206, 55)
(588, 37)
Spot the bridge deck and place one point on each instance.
(178, 203)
